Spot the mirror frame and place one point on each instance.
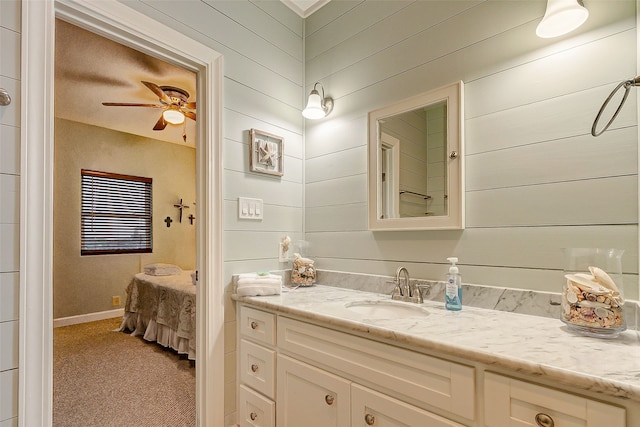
(455, 218)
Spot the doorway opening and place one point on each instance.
(119, 172)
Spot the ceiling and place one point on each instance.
(90, 70)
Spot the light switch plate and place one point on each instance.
(250, 208)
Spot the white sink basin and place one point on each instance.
(384, 309)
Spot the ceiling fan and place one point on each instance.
(174, 102)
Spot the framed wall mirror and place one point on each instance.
(416, 162)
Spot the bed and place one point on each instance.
(163, 309)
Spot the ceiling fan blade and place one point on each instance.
(189, 114)
(191, 105)
(125, 104)
(160, 124)
(159, 92)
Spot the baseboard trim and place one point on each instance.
(85, 318)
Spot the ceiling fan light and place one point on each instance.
(561, 17)
(174, 117)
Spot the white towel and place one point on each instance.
(258, 276)
(252, 284)
(160, 269)
(265, 282)
(257, 290)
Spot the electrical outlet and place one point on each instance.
(283, 256)
(115, 301)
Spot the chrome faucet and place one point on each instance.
(404, 287)
(403, 290)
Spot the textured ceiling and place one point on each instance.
(90, 69)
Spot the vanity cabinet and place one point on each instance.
(295, 373)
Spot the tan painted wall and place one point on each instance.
(85, 284)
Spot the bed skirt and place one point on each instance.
(162, 310)
(152, 331)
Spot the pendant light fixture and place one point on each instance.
(317, 106)
(561, 17)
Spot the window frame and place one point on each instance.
(148, 216)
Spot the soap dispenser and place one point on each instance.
(453, 290)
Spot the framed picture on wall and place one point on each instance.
(266, 153)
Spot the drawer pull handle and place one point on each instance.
(544, 420)
(254, 368)
(253, 416)
(369, 419)
(329, 399)
(254, 325)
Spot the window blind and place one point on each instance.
(116, 213)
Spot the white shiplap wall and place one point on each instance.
(262, 45)
(536, 180)
(9, 211)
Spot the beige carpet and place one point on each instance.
(104, 378)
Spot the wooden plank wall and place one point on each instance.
(536, 180)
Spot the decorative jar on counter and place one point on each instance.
(592, 295)
(303, 273)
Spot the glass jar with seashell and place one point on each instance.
(303, 272)
(592, 295)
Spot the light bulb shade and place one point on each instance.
(174, 117)
(314, 108)
(561, 17)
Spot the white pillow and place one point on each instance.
(160, 269)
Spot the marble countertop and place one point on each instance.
(530, 345)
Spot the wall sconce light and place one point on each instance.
(172, 116)
(317, 106)
(561, 17)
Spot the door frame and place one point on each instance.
(129, 27)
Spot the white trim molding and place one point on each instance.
(86, 318)
(127, 26)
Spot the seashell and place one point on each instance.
(602, 312)
(603, 278)
(593, 304)
(587, 283)
(572, 298)
(618, 300)
(573, 288)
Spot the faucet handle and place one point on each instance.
(420, 289)
(397, 291)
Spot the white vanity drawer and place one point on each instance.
(372, 408)
(257, 368)
(255, 410)
(436, 382)
(510, 402)
(258, 325)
